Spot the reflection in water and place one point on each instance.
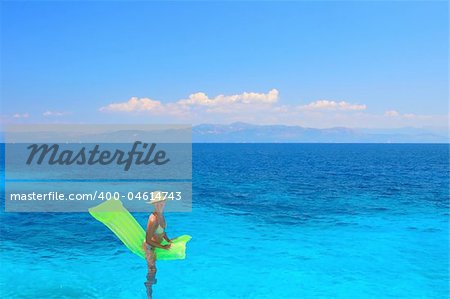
(151, 270)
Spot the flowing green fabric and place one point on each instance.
(113, 214)
(177, 250)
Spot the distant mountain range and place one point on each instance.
(243, 133)
(247, 133)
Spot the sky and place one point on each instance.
(374, 64)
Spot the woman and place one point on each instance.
(155, 234)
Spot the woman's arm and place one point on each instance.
(167, 238)
(156, 244)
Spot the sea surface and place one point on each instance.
(268, 221)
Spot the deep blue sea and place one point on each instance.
(268, 221)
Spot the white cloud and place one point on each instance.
(134, 104)
(202, 99)
(392, 113)
(265, 108)
(49, 113)
(410, 115)
(23, 115)
(332, 105)
(395, 113)
(199, 99)
(197, 104)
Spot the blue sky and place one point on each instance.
(317, 64)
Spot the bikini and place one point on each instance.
(159, 230)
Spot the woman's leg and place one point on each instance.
(151, 270)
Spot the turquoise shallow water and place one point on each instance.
(268, 221)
